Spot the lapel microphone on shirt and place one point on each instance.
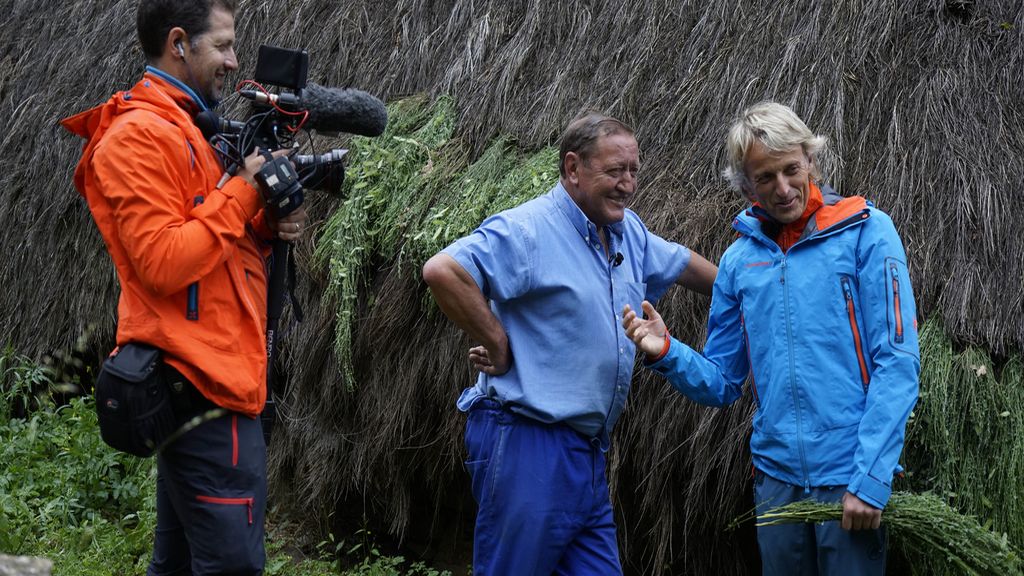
(618, 259)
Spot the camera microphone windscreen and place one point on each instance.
(344, 110)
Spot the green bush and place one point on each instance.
(63, 493)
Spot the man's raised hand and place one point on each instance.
(648, 334)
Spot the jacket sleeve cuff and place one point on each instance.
(660, 363)
(247, 197)
(870, 490)
(261, 228)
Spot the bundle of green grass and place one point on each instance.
(927, 529)
(963, 511)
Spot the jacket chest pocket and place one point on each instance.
(856, 338)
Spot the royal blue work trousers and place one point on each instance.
(822, 548)
(543, 497)
(211, 493)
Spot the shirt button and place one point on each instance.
(622, 350)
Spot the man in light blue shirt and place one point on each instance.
(555, 366)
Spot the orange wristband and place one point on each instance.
(664, 349)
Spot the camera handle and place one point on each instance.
(282, 268)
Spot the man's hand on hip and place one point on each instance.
(859, 515)
(491, 364)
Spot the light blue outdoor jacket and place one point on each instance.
(828, 334)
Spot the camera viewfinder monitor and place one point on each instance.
(282, 67)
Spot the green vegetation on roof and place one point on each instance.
(409, 193)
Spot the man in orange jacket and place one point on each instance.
(189, 245)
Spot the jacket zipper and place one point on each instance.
(192, 311)
(834, 229)
(746, 341)
(792, 379)
(851, 311)
(247, 502)
(896, 304)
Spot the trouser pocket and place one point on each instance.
(246, 502)
(230, 540)
(484, 437)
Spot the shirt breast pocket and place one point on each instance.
(632, 293)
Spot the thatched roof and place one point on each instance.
(922, 100)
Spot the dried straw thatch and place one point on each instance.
(922, 100)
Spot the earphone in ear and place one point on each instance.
(181, 49)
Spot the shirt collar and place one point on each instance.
(583, 225)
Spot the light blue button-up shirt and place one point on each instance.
(560, 299)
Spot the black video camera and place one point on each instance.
(278, 118)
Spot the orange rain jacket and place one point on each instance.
(151, 182)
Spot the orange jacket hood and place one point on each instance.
(153, 94)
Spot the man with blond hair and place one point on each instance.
(814, 303)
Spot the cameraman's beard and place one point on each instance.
(209, 93)
(214, 94)
(211, 97)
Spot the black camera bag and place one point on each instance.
(133, 401)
